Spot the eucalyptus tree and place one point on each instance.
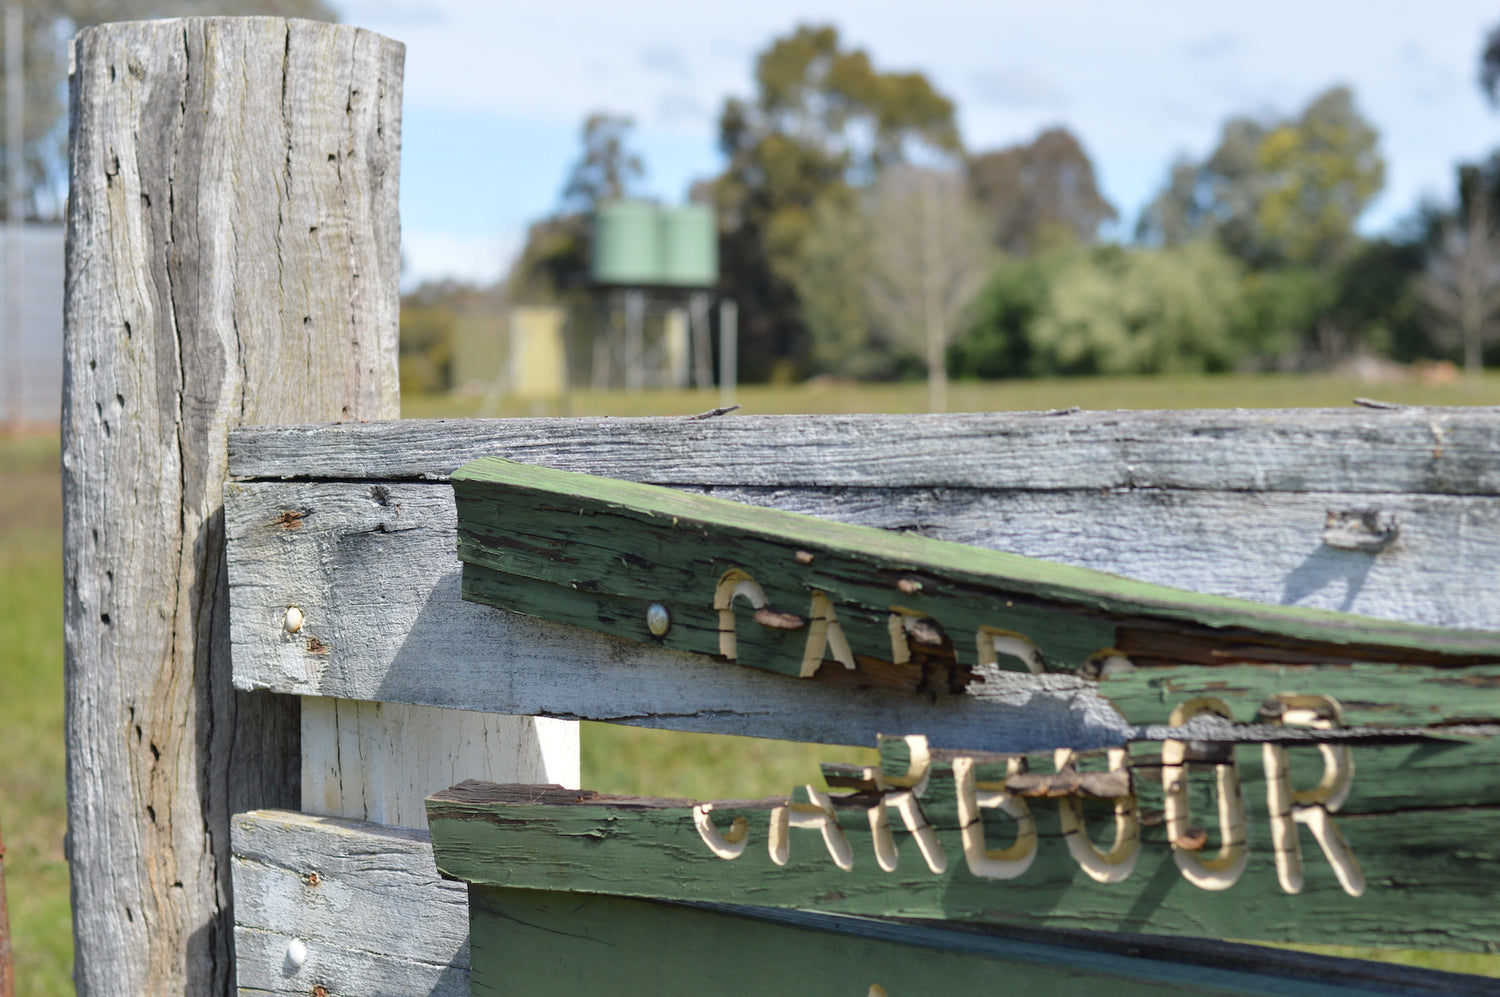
(823, 121)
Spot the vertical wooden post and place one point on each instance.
(729, 350)
(232, 257)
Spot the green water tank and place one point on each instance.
(627, 243)
(689, 246)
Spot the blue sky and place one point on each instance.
(495, 91)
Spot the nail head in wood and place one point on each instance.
(658, 619)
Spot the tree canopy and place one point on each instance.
(1146, 311)
(1039, 194)
(1276, 191)
(929, 257)
(606, 169)
(823, 119)
(1489, 66)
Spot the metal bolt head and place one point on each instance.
(658, 620)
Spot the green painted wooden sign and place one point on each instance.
(1276, 773)
(1239, 845)
(533, 941)
(858, 606)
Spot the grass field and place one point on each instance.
(619, 759)
(31, 715)
(827, 397)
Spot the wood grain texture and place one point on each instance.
(1431, 873)
(364, 899)
(533, 941)
(374, 572)
(232, 257)
(380, 921)
(597, 552)
(373, 569)
(378, 761)
(1263, 546)
(1404, 451)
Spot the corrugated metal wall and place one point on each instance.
(36, 348)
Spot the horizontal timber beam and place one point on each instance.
(1412, 451)
(372, 569)
(823, 599)
(378, 920)
(349, 906)
(1029, 870)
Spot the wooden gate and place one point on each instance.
(303, 657)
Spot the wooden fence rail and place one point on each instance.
(355, 525)
(270, 662)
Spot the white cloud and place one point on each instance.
(442, 256)
(1017, 86)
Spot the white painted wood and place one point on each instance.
(1403, 451)
(232, 257)
(365, 902)
(380, 761)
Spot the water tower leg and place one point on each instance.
(635, 339)
(729, 345)
(703, 372)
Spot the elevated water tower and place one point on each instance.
(653, 263)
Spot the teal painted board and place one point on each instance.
(546, 943)
(1428, 878)
(812, 598)
(858, 608)
(689, 246)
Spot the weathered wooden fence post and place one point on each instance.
(232, 258)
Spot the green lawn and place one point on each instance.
(822, 397)
(32, 797)
(619, 759)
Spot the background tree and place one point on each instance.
(48, 24)
(1320, 173)
(1462, 281)
(1276, 192)
(555, 261)
(997, 342)
(607, 170)
(830, 285)
(1041, 194)
(929, 255)
(1143, 311)
(1489, 66)
(1215, 198)
(822, 118)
